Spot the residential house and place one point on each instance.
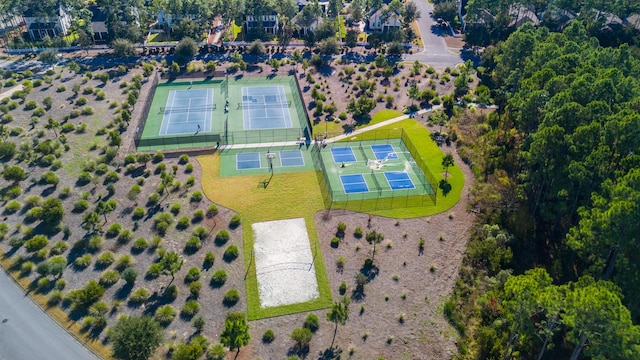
(269, 23)
(50, 25)
(306, 26)
(521, 15)
(99, 24)
(380, 20)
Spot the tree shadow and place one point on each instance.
(334, 353)
(301, 351)
(123, 292)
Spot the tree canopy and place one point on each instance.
(135, 338)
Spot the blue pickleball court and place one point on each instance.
(399, 180)
(354, 183)
(384, 152)
(343, 154)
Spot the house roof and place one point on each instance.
(97, 15)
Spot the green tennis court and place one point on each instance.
(234, 110)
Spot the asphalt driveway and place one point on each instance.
(435, 52)
(27, 333)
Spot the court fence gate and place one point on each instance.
(394, 199)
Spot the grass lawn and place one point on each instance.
(280, 200)
(342, 33)
(235, 29)
(433, 155)
(74, 327)
(159, 38)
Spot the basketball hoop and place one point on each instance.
(270, 157)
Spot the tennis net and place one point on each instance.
(375, 180)
(364, 154)
(186, 109)
(264, 105)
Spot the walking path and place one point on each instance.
(10, 92)
(334, 139)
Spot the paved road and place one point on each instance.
(435, 51)
(27, 333)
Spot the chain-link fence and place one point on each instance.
(425, 195)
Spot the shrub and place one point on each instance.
(153, 271)
(231, 297)
(59, 247)
(235, 222)
(83, 261)
(138, 213)
(140, 244)
(175, 209)
(12, 207)
(124, 261)
(129, 275)
(312, 322)
(194, 288)
(335, 242)
(216, 352)
(171, 292)
(193, 244)
(198, 215)
(212, 211)
(139, 296)
(209, 258)
(183, 223)
(190, 308)
(113, 230)
(54, 298)
(184, 158)
(95, 243)
(218, 278)
(222, 237)
(193, 274)
(268, 336)
(157, 157)
(61, 88)
(165, 315)
(105, 259)
(81, 101)
(343, 288)
(112, 177)
(188, 169)
(231, 253)
(36, 243)
(109, 277)
(196, 196)
(357, 233)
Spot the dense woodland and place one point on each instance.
(551, 271)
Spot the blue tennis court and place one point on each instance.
(399, 180)
(384, 152)
(265, 107)
(246, 161)
(291, 158)
(187, 112)
(343, 154)
(354, 183)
